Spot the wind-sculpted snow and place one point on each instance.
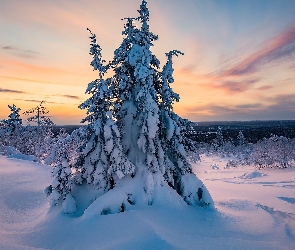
(22, 202)
(14, 153)
(287, 199)
(248, 214)
(252, 175)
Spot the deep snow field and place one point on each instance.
(254, 209)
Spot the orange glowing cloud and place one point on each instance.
(27, 67)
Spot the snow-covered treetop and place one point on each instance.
(144, 12)
(38, 115)
(98, 104)
(14, 118)
(168, 95)
(95, 51)
(14, 113)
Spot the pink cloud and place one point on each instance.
(264, 87)
(280, 47)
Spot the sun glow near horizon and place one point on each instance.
(234, 68)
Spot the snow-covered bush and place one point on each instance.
(275, 151)
(135, 144)
(10, 129)
(67, 147)
(215, 166)
(292, 145)
(38, 133)
(241, 140)
(12, 152)
(61, 186)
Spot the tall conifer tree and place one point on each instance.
(135, 148)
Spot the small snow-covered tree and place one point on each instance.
(176, 147)
(62, 158)
(65, 147)
(219, 137)
(61, 187)
(14, 120)
(11, 128)
(243, 150)
(241, 139)
(292, 146)
(2, 136)
(40, 130)
(135, 151)
(38, 115)
(217, 144)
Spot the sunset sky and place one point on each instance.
(239, 61)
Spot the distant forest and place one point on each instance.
(253, 131)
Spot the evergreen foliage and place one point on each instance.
(14, 120)
(10, 129)
(38, 115)
(133, 132)
(241, 139)
(38, 133)
(276, 151)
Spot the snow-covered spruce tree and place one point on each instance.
(243, 150)
(219, 137)
(14, 120)
(241, 139)
(2, 136)
(135, 154)
(62, 158)
(192, 148)
(11, 128)
(61, 187)
(101, 162)
(151, 131)
(177, 170)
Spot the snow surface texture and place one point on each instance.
(254, 210)
(11, 152)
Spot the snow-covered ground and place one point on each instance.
(254, 210)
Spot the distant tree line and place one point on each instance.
(274, 151)
(252, 130)
(35, 138)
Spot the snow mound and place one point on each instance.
(252, 175)
(127, 196)
(215, 166)
(11, 152)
